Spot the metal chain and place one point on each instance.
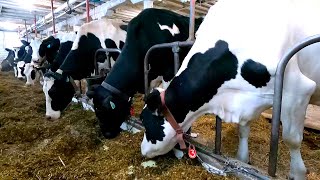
(229, 167)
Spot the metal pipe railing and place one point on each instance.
(35, 27)
(192, 19)
(217, 142)
(175, 46)
(107, 51)
(88, 10)
(277, 100)
(53, 19)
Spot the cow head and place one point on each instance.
(159, 137)
(58, 91)
(48, 49)
(111, 110)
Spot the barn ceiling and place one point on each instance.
(15, 15)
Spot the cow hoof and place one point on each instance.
(48, 117)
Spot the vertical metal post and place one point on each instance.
(35, 25)
(53, 19)
(192, 19)
(25, 26)
(217, 148)
(175, 50)
(88, 10)
(19, 31)
(277, 100)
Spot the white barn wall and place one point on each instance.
(8, 40)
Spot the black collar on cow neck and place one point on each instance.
(115, 91)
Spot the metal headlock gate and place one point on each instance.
(97, 78)
(107, 51)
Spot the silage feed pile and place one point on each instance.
(32, 147)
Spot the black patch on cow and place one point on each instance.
(28, 57)
(121, 44)
(61, 94)
(199, 82)
(153, 126)
(127, 74)
(25, 43)
(33, 74)
(79, 62)
(21, 53)
(111, 44)
(124, 27)
(64, 49)
(255, 73)
(22, 70)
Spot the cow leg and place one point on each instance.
(15, 71)
(293, 115)
(243, 150)
(297, 92)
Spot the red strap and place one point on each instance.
(173, 122)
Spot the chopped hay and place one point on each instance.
(32, 147)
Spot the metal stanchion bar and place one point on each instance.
(107, 50)
(159, 46)
(217, 149)
(53, 19)
(192, 19)
(277, 100)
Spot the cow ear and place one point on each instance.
(25, 42)
(153, 100)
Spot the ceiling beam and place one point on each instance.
(95, 13)
(49, 16)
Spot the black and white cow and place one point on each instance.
(7, 64)
(53, 49)
(20, 54)
(21, 62)
(112, 99)
(230, 72)
(79, 63)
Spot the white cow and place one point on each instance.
(230, 72)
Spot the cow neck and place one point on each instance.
(170, 118)
(126, 74)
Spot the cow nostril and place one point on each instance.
(48, 117)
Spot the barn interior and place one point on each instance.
(32, 147)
